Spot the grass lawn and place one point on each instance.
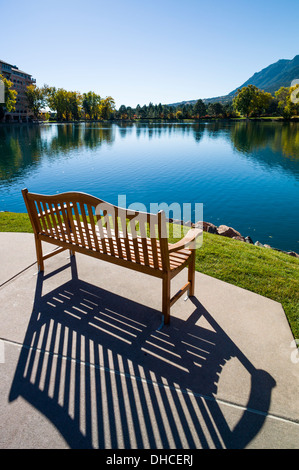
(264, 271)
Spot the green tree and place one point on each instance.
(91, 105)
(57, 101)
(251, 100)
(165, 111)
(199, 109)
(263, 101)
(10, 96)
(107, 106)
(138, 111)
(215, 109)
(75, 100)
(245, 101)
(123, 111)
(287, 105)
(36, 99)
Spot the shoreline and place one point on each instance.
(157, 120)
(229, 232)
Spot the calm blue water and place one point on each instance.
(245, 174)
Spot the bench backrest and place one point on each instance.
(80, 219)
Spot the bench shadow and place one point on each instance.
(103, 373)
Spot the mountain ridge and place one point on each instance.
(269, 79)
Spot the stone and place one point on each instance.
(257, 243)
(241, 239)
(293, 253)
(209, 227)
(248, 240)
(226, 231)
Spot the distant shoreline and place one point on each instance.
(171, 121)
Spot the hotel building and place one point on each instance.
(20, 81)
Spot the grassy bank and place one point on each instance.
(264, 271)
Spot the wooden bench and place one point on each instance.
(136, 240)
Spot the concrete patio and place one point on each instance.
(85, 362)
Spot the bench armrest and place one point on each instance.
(187, 240)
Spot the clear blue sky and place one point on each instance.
(154, 50)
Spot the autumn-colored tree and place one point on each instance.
(91, 105)
(10, 96)
(288, 101)
(107, 106)
(251, 100)
(36, 99)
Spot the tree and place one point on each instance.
(245, 100)
(199, 109)
(215, 109)
(91, 105)
(107, 106)
(287, 101)
(123, 111)
(263, 101)
(165, 111)
(138, 111)
(75, 100)
(251, 100)
(10, 96)
(36, 99)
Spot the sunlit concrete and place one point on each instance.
(85, 361)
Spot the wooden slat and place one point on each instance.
(50, 227)
(134, 238)
(67, 230)
(163, 241)
(143, 226)
(60, 222)
(117, 234)
(102, 234)
(93, 228)
(71, 221)
(53, 219)
(78, 224)
(107, 218)
(85, 225)
(123, 220)
(41, 217)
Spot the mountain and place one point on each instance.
(269, 79)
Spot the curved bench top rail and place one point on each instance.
(84, 198)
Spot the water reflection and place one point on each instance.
(258, 161)
(22, 147)
(282, 138)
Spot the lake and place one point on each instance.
(246, 174)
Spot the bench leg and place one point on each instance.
(191, 273)
(166, 299)
(39, 255)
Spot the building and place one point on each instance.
(20, 81)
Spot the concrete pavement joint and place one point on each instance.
(18, 274)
